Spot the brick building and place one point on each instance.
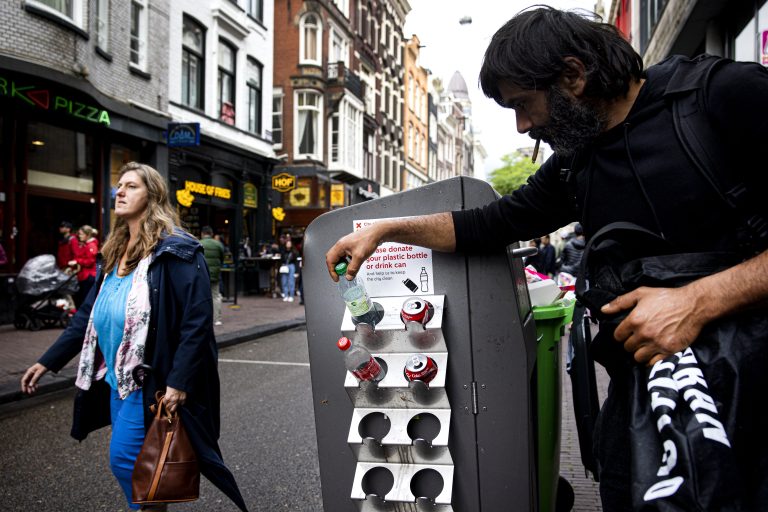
(337, 108)
(83, 89)
(415, 118)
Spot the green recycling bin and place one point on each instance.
(550, 327)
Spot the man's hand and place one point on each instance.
(358, 245)
(663, 321)
(30, 378)
(174, 398)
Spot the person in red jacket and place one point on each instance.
(65, 254)
(84, 247)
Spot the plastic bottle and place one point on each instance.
(355, 297)
(360, 362)
(424, 278)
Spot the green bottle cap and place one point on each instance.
(341, 268)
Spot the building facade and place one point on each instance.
(83, 89)
(658, 28)
(415, 118)
(220, 68)
(337, 108)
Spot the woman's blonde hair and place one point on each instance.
(88, 231)
(159, 220)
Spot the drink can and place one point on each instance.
(420, 367)
(416, 309)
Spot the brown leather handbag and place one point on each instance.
(166, 470)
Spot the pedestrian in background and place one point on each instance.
(65, 254)
(288, 258)
(547, 256)
(573, 250)
(151, 305)
(84, 248)
(214, 257)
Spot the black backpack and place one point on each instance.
(686, 91)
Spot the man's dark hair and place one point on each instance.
(206, 231)
(529, 49)
(65, 224)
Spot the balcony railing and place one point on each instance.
(338, 73)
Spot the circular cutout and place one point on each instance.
(375, 425)
(427, 483)
(424, 426)
(378, 481)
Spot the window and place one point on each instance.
(277, 118)
(65, 7)
(310, 36)
(339, 48)
(139, 34)
(409, 147)
(253, 81)
(69, 10)
(226, 89)
(346, 135)
(256, 9)
(307, 136)
(411, 104)
(650, 14)
(102, 24)
(192, 64)
(343, 6)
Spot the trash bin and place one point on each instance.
(550, 326)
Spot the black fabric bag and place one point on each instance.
(696, 420)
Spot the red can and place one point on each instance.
(418, 310)
(420, 367)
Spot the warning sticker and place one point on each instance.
(396, 269)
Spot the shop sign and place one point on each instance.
(300, 196)
(250, 196)
(283, 182)
(337, 194)
(41, 98)
(186, 196)
(278, 213)
(183, 135)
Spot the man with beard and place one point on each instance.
(579, 86)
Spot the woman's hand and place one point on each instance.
(174, 398)
(30, 378)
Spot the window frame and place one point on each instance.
(220, 73)
(102, 24)
(142, 37)
(75, 19)
(259, 16)
(278, 96)
(316, 59)
(201, 58)
(317, 154)
(252, 87)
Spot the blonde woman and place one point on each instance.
(151, 304)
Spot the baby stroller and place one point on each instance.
(45, 294)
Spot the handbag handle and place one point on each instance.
(160, 410)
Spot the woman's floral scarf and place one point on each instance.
(130, 353)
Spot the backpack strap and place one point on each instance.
(687, 90)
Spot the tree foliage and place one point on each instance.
(513, 174)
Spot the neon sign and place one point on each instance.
(41, 98)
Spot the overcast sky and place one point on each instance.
(450, 46)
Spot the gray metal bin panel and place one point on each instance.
(491, 449)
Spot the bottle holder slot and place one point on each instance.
(404, 483)
(392, 335)
(400, 426)
(404, 436)
(395, 377)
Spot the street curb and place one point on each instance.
(66, 378)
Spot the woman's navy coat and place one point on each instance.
(180, 348)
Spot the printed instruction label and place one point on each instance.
(396, 269)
